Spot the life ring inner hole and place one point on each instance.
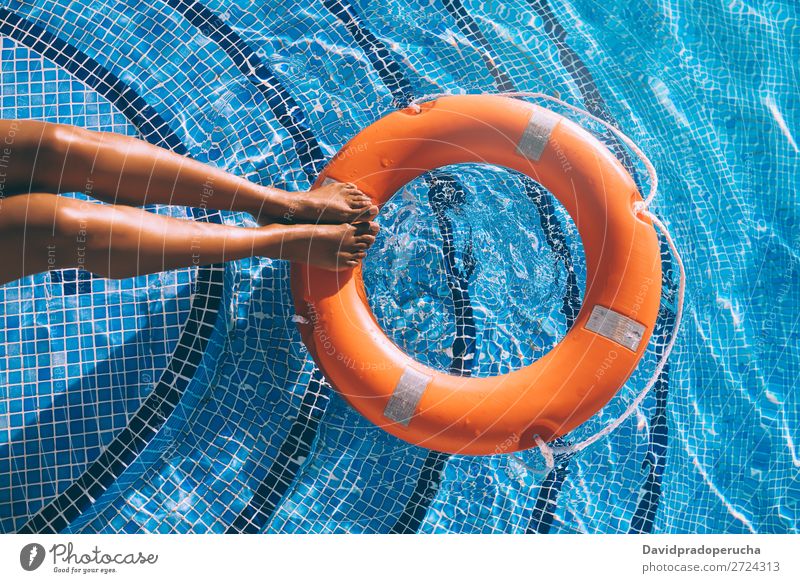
(478, 270)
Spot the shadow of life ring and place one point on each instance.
(575, 379)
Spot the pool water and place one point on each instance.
(477, 270)
(186, 402)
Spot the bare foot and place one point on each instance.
(334, 247)
(337, 202)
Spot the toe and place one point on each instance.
(366, 208)
(359, 201)
(367, 240)
(350, 189)
(366, 214)
(361, 228)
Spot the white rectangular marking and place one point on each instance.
(406, 396)
(616, 327)
(537, 133)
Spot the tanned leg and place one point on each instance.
(44, 231)
(118, 169)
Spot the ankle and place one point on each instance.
(272, 203)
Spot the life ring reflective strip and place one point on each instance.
(577, 377)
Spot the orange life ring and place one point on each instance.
(571, 382)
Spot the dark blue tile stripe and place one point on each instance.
(443, 192)
(547, 498)
(73, 281)
(425, 490)
(557, 241)
(150, 417)
(590, 94)
(283, 469)
(470, 28)
(554, 233)
(388, 69)
(124, 448)
(286, 464)
(443, 188)
(656, 459)
(302, 433)
(654, 462)
(595, 104)
(151, 125)
(287, 112)
(546, 501)
(572, 62)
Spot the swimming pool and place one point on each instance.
(185, 402)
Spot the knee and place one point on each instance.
(32, 212)
(51, 156)
(58, 151)
(41, 230)
(43, 216)
(38, 154)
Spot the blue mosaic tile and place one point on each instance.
(253, 440)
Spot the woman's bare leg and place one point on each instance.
(118, 169)
(44, 231)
